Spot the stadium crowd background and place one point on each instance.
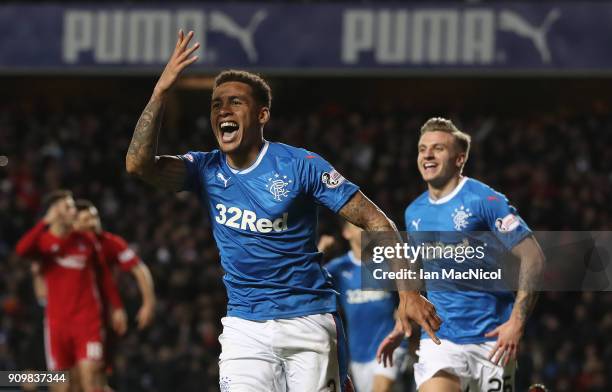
(554, 162)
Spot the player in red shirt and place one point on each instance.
(70, 261)
(118, 254)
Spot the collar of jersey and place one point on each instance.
(351, 256)
(446, 198)
(249, 169)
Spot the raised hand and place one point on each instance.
(52, 215)
(179, 60)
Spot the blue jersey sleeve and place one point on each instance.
(193, 161)
(503, 220)
(324, 183)
(333, 268)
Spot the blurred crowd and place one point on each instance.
(555, 167)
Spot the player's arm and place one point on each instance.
(38, 281)
(109, 290)
(27, 246)
(362, 212)
(326, 242)
(531, 257)
(143, 277)
(165, 172)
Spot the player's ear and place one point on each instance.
(264, 115)
(460, 160)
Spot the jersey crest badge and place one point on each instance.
(277, 185)
(460, 217)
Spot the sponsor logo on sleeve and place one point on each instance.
(126, 255)
(507, 224)
(332, 179)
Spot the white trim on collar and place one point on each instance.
(446, 198)
(353, 259)
(254, 165)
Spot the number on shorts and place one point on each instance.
(506, 384)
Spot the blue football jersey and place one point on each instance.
(472, 207)
(264, 221)
(368, 314)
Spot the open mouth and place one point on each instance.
(229, 130)
(430, 167)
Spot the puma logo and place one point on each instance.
(222, 178)
(222, 23)
(512, 22)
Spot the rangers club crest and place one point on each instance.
(277, 185)
(460, 217)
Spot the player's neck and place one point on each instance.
(240, 160)
(438, 192)
(356, 249)
(59, 230)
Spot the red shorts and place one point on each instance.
(70, 341)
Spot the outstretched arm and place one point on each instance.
(166, 172)
(362, 212)
(509, 334)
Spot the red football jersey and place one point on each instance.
(116, 251)
(70, 266)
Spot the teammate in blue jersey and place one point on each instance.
(369, 317)
(281, 331)
(482, 329)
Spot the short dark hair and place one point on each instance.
(53, 197)
(261, 89)
(83, 204)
